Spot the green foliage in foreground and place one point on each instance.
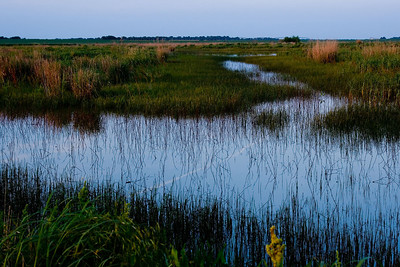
(80, 235)
(97, 228)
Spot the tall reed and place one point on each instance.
(325, 52)
(376, 49)
(49, 76)
(85, 83)
(163, 52)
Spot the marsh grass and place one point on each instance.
(54, 221)
(190, 86)
(365, 70)
(324, 51)
(80, 236)
(128, 79)
(74, 69)
(272, 120)
(373, 78)
(371, 121)
(85, 83)
(48, 74)
(380, 49)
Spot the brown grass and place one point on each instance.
(163, 52)
(48, 73)
(13, 66)
(324, 52)
(377, 49)
(85, 83)
(3, 62)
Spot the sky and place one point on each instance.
(315, 19)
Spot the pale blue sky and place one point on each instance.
(323, 19)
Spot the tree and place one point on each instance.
(293, 39)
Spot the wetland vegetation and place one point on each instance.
(194, 152)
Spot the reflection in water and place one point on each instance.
(254, 72)
(87, 122)
(340, 181)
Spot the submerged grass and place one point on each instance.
(370, 121)
(272, 120)
(70, 223)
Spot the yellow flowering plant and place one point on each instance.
(276, 249)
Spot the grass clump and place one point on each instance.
(48, 74)
(371, 121)
(85, 83)
(324, 52)
(39, 72)
(81, 236)
(378, 49)
(272, 120)
(78, 234)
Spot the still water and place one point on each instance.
(345, 177)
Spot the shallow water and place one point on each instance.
(255, 73)
(347, 178)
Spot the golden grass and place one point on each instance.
(85, 83)
(377, 49)
(48, 73)
(3, 62)
(162, 52)
(324, 52)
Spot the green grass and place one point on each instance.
(368, 121)
(194, 85)
(128, 79)
(54, 221)
(80, 235)
(272, 120)
(136, 79)
(372, 77)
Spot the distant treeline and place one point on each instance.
(11, 38)
(393, 38)
(188, 38)
(111, 38)
(163, 38)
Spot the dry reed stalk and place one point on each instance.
(49, 75)
(84, 83)
(378, 49)
(105, 63)
(14, 67)
(162, 53)
(84, 62)
(324, 52)
(3, 64)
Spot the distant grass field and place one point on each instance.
(189, 79)
(128, 78)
